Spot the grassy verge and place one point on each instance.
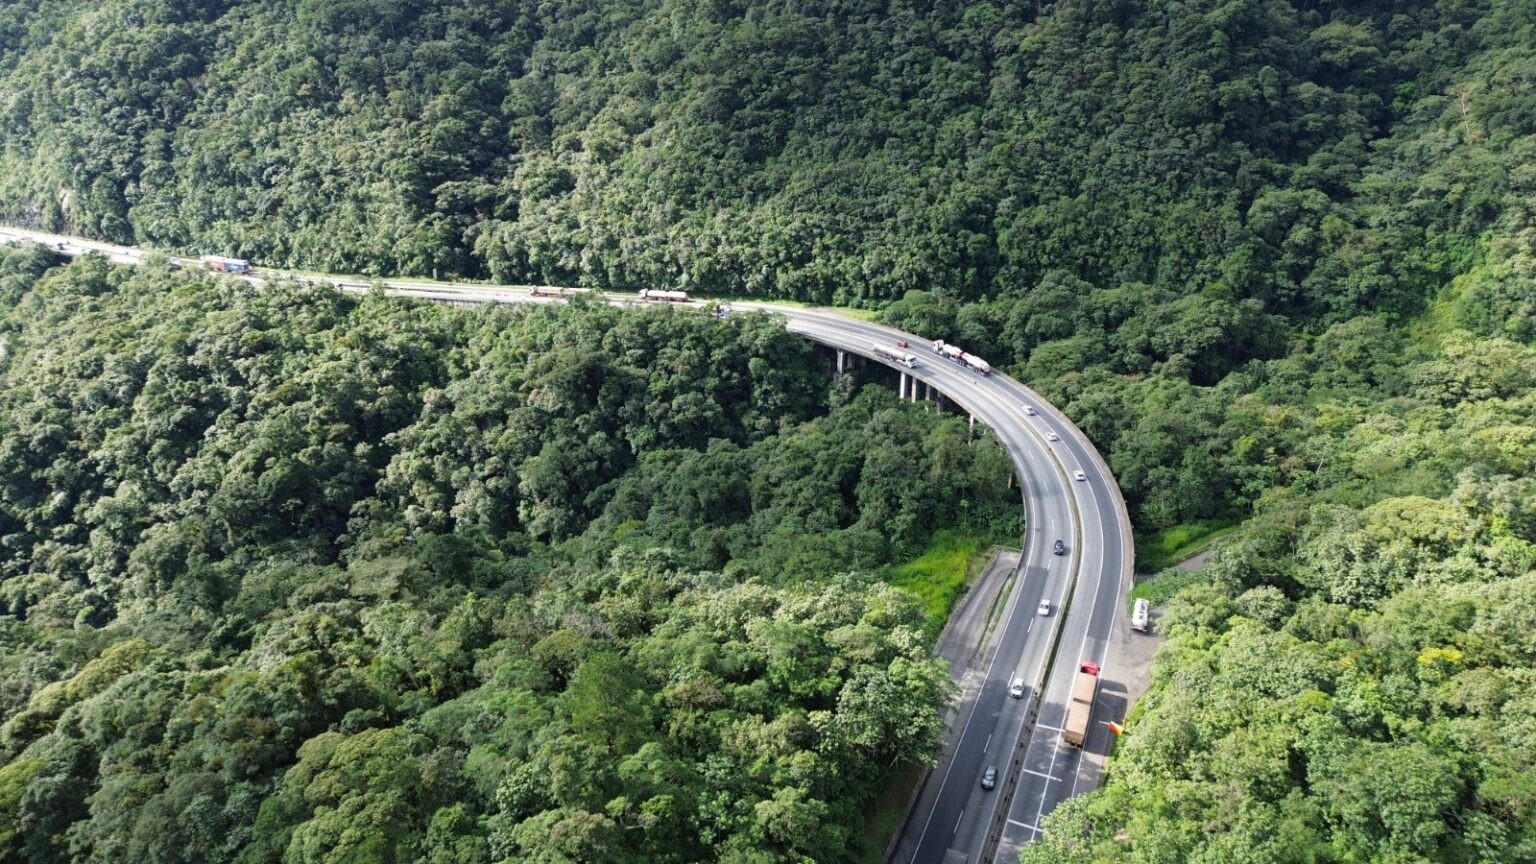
(937, 577)
(885, 813)
(1156, 590)
(1169, 546)
(939, 574)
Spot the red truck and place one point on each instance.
(1081, 710)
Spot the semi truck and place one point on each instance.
(959, 355)
(1080, 712)
(664, 296)
(894, 356)
(220, 264)
(554, 291)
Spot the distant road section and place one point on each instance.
(1011, 712)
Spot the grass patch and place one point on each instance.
(939, 574)
(1169, 546)
(1157, 590)
(885, 813)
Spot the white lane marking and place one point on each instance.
(1046, 776)
(1024, 826)
(1012, 617)
(1075, 515)
(1051, 728)
(1114, 611)
(957, 823)
(987, 745)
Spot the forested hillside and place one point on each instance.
(291, 577)
(1273, 157)
(1124, 202)
(1276, 258)
(1353, 677)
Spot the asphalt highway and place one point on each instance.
(954, 819)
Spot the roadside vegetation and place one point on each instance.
(1163, 549)
(941, 573)
(1274, 258)
(291, 576)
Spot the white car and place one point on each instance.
(1052, 436)
(1080, 475)
(1016, 689)
(1045, 607)
(1030, 410)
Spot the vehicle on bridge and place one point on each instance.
(902, 358)
(663, 296)
(976, 363)
(1075, 731)
(556, 291)
(220, 264)
(955, 353)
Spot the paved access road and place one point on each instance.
(954, 818)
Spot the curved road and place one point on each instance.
(954, 819)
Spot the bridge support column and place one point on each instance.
(901, 386)
(841, 358)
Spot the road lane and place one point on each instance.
(1089, 516)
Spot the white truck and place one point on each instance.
(1140, 615)
(894, 355)
(959, 355)
(556, 291)
(663, 296)
(976, 363)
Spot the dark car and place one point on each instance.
(989, 777)
(1059, 548)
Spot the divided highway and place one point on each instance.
(954, 818)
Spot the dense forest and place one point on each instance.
(291, 577)
(1275, 257)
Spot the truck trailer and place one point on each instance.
(1080, 713)
(959, 355)
(976, 363)
(555, 291)
(903, 358)
(664, 296)
(220, 264)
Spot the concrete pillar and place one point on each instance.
(840, 362)
(901, 386)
